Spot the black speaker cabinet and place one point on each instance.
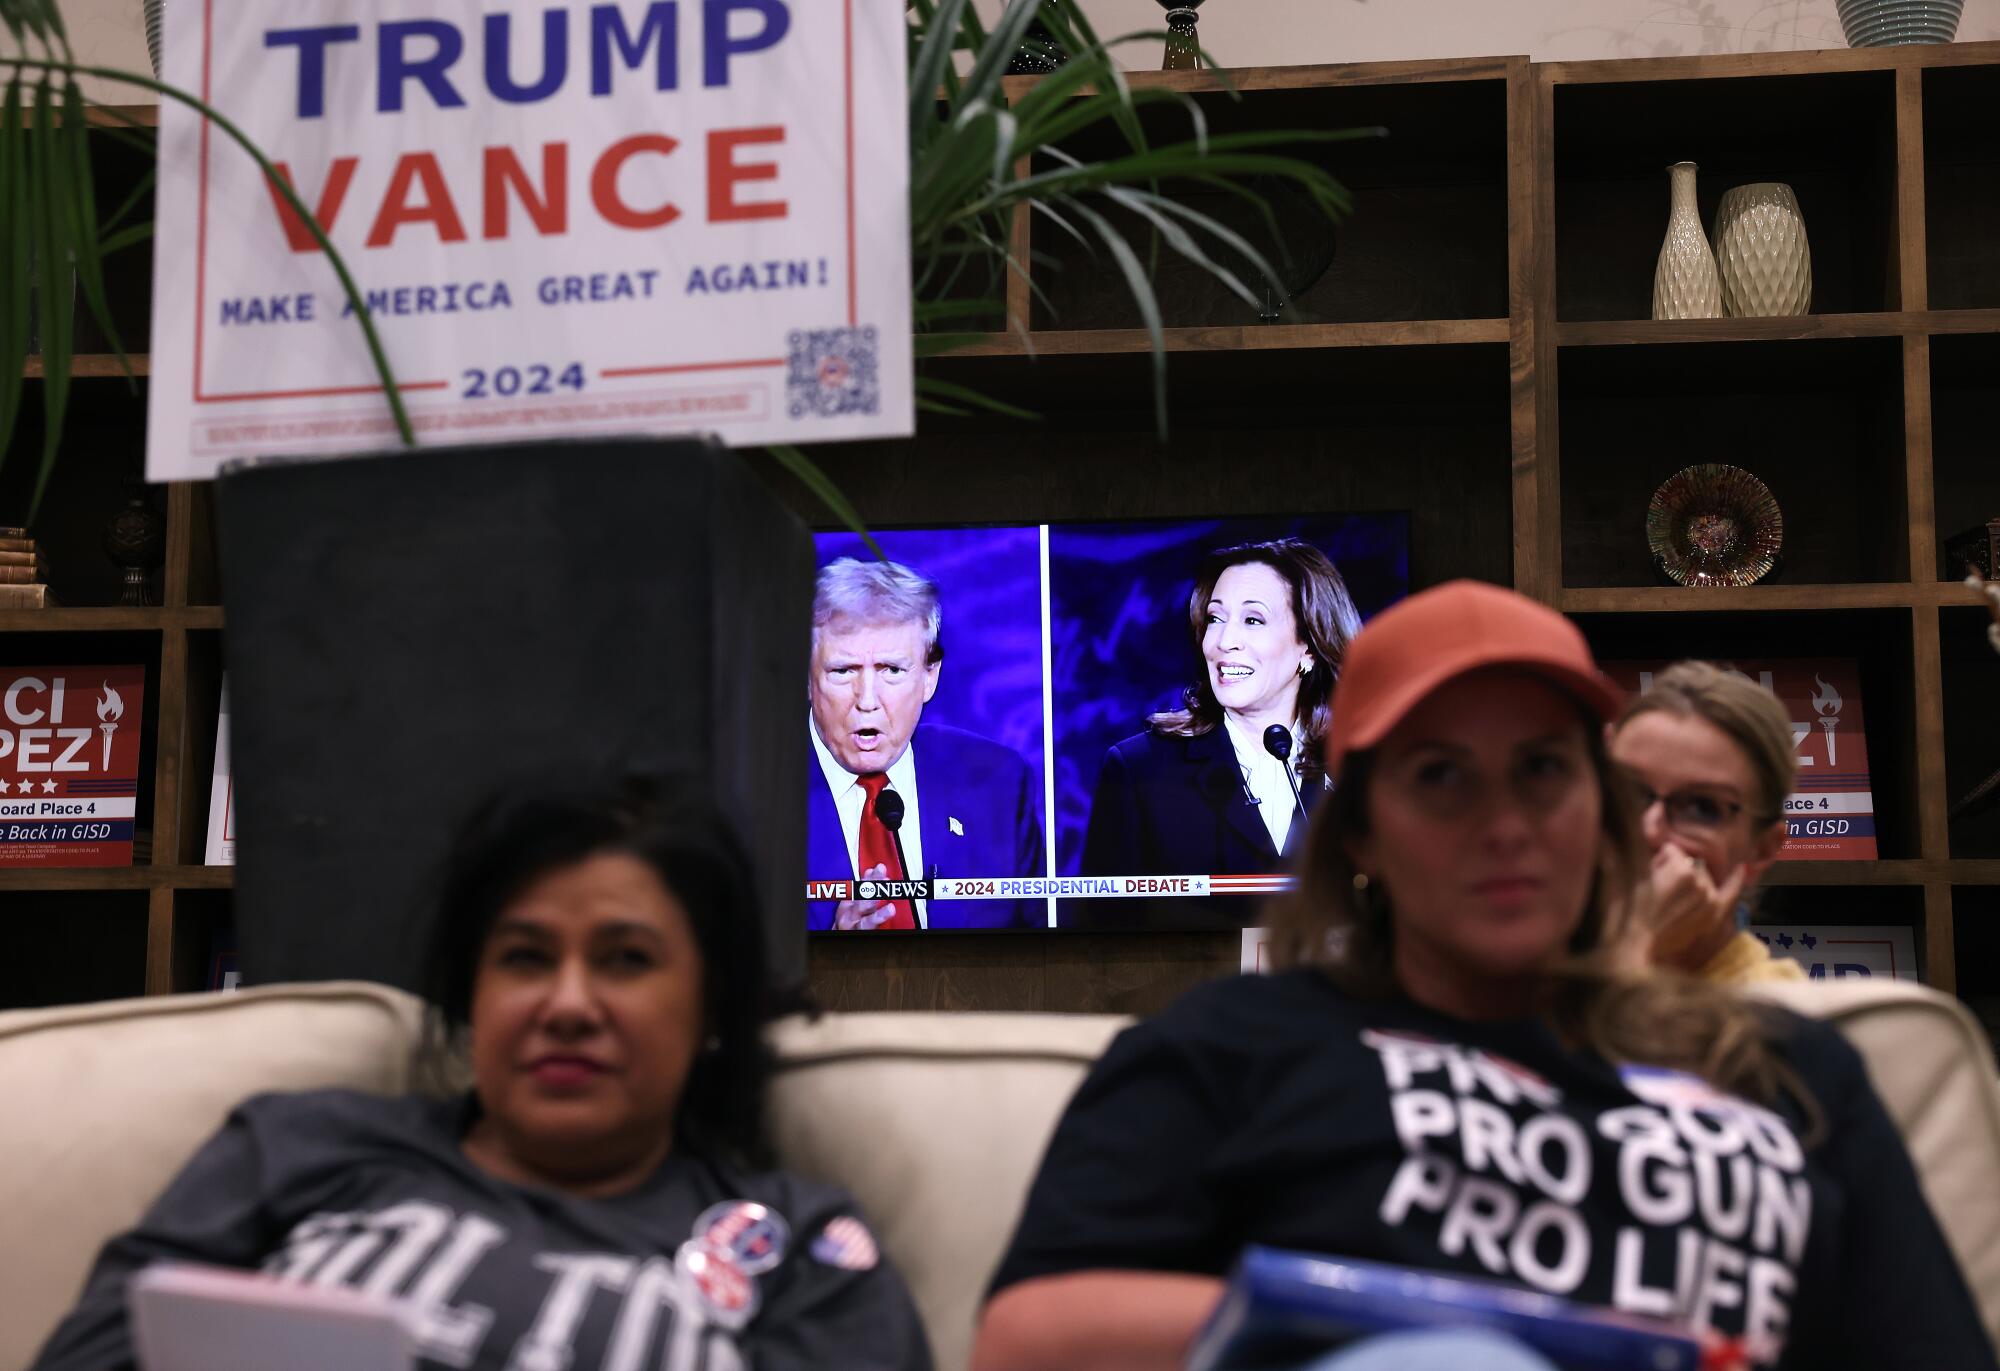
(406, 630)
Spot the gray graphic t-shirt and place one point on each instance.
(701, 1268)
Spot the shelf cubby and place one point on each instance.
(1819, 421)
(1831, 136)
(1961, 186)
(1427, 239)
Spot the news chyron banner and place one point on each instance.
(1049, 887)
(664, 216)
(69, 764)
(1831, 813)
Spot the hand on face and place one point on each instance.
(868, 689)
(1708, 847)
(856, 915)
(1692, 916)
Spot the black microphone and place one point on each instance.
(1278, 742)
(889, 809)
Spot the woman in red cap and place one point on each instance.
(1464, 1065)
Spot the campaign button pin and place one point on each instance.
(846, 1243)
(726, 1290)
(752, 1234)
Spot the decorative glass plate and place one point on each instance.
(1714, 525)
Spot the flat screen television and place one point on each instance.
(1081, 741)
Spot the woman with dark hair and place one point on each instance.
(597, 1200)
(1205, 788)
(1464, 1065)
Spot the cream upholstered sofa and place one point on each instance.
(935, 1121)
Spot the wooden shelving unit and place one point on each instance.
(1479, 354)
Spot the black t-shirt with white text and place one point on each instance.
(1278, 1111)
(336, 1188)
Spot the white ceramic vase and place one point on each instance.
(155, 12)
(1685, 282)
(1761, 252)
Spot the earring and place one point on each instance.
(1369, 903)
(1305, 667)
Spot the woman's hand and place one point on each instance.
(1094, 1321)
(1692, 916)
(854, 915)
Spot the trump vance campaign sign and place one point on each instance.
(665, 216)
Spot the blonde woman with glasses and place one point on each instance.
(1711, 753)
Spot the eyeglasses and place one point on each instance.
(1690, 810)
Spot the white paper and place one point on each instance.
(192, 1318)
(222, 796)
(539, 265)
(1256, 951)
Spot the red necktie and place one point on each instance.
(878, 848)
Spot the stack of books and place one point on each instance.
(24, 572)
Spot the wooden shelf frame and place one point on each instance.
(1138, 974)
(110, 619)
(170, 878)
(1384, 333)
(1912, 595)
(1911, 322)
(172, 624)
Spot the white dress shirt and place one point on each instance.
(1264, 776)
(849, 799)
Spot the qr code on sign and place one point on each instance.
(832, 372)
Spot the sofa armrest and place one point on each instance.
(105, 1102)
(1932, 1065)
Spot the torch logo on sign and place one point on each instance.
(1826, 701)
(110, 709)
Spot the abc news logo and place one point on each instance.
(868, 890)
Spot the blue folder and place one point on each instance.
(1283, 1307)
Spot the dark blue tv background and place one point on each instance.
(989, 584)
(1121, 645)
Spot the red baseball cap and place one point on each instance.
(1416, 645)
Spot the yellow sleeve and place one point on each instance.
(1743, 960)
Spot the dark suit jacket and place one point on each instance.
(1176, 806)
(987, 788)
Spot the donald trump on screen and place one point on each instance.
(957, 805)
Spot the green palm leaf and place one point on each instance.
(813, 479)
(51, 232)
(977, 159)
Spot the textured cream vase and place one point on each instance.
(1761, 252)
(1685, 283)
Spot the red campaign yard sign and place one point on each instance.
(1831, 813)
(69, 764)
